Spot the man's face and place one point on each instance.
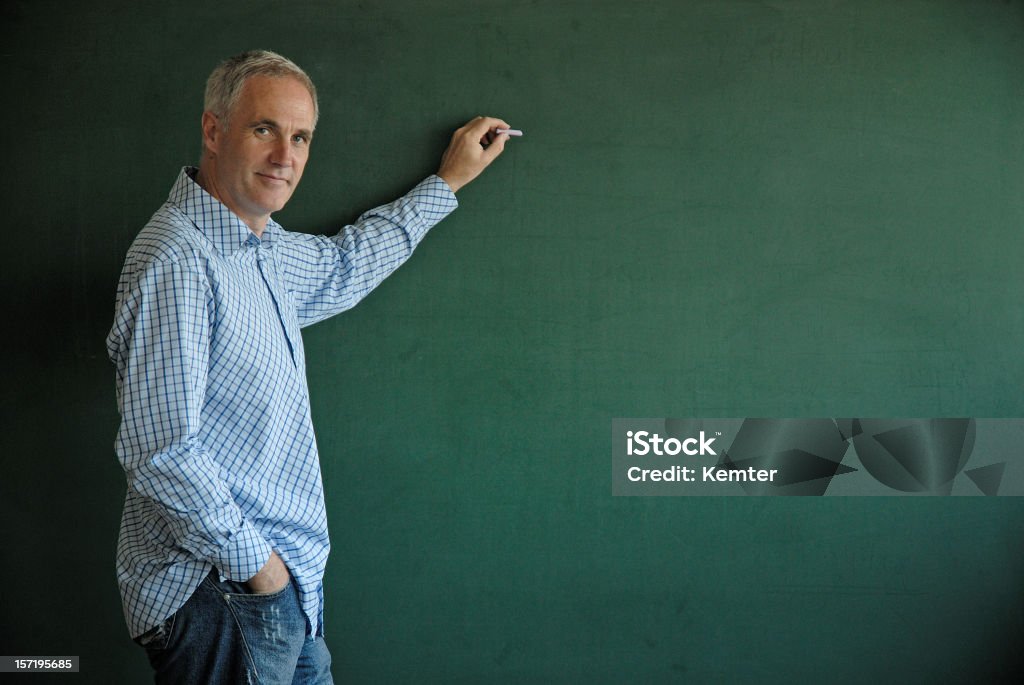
(260, 152)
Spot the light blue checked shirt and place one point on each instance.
(216, 438)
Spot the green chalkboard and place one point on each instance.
(719, 208)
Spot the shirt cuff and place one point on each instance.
(244, 555)
(434, 198)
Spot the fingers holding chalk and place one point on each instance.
(472, 148)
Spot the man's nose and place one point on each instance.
(281, 152)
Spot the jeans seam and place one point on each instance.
(227, 599)
(170, 630)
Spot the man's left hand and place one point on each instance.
(472, 148)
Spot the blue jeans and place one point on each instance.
(226, 634)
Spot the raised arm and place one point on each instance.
(329, 275)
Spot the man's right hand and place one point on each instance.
(272, 577)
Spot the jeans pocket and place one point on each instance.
(236, 590)
(158, 637)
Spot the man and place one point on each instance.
(224, 540)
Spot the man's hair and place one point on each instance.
(224, 86)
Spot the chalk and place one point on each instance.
(510, 131)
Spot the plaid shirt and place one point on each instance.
(216, 438)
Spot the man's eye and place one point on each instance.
(262, 131)
(299, 139)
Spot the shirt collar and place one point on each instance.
(218, 223)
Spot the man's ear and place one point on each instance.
(212, 132)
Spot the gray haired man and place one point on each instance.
(224, 540)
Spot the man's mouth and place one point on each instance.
(271, 177)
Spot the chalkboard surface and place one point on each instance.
(729, 208)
